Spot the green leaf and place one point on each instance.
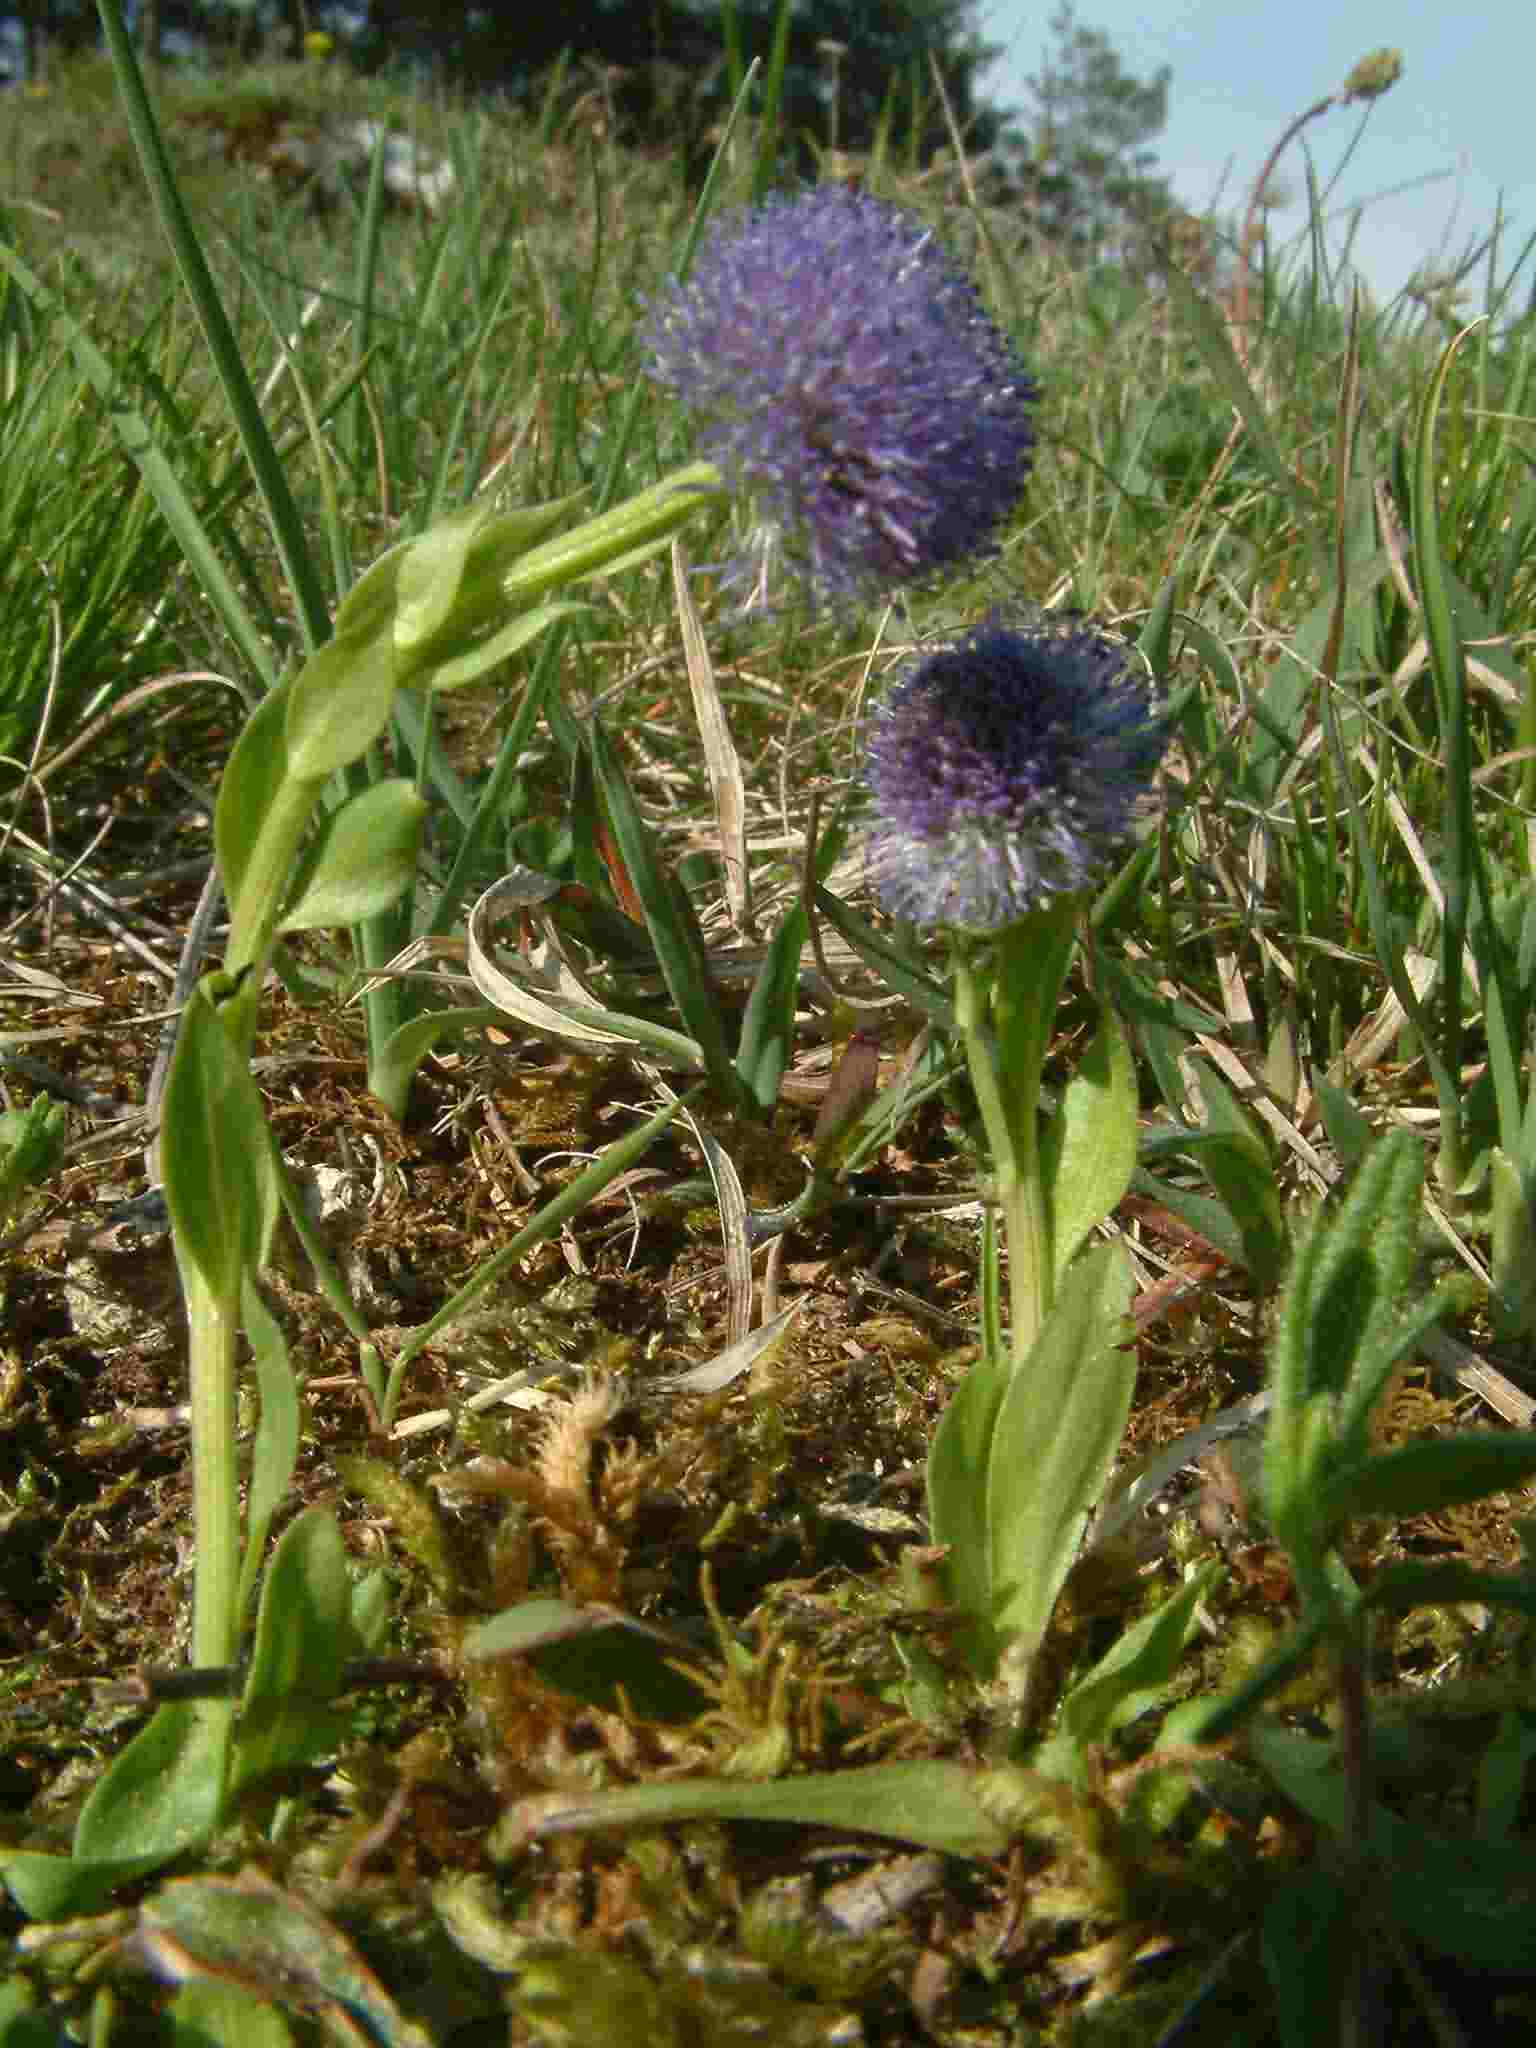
(22, 2022)
(369, 607)
(1155, 640)
(455, 670)
(394, 1065)
(668, 919)
(276, 1453)
(1306, 1771)
(1349, 1133)
(1088, 1150)
(427, 576)
(208, 2014)
(246, 1933)
(452, 581)
(372, 1611)
(1423, 1478)
(596, 1654)
(339, 703)
(767, 1036)
(1134, 1674)
(768, 1027)
(302, 1639)
(1512, 1295)
(256, 770)
(1471, 1898)
(218, 1173)
(31, 1146)
(1243, 1174)
(1353, 1268)
(1467, 1896)
(1237, 1161)
(1397, 1587)
(957, 1496)
(1310, 1942)
(56, 1887)
(1059, 1426)
(1211, 1218)
(937, 1805)
(900, 975)
(164, 1794)
(598, 543)
(364, 858)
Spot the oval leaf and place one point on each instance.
(340, 702)
(365, 857)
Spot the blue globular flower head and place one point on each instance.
(843, 370)
(1005, 769)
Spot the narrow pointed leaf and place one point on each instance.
(679, 950)
(1059, 1427)
(218, 1180)
(1133, 1676)
(255, 772)
(394, 1067)
(1088, 1152)
(456, 670)
(894, 969)
(1424, 1478)
(957, 1496)
(936, 1805)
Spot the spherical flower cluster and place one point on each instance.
(1005, 770)
(842, 369)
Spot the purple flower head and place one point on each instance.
(843, 369)
(1005, 770)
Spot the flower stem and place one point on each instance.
(215, 1480)
(1021, 986)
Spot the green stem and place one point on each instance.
(1029, 965)
(213, 1325)
(213, 1320)
(1031, 1259)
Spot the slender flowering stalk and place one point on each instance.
(1004, 771)
(843, 370)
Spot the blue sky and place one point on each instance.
(1460, 116)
